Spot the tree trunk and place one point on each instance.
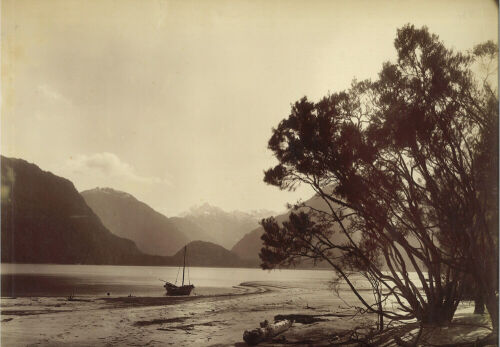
(479, 304)
(438, 314)
(492, 306)
(380, 309)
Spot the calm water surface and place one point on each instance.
(63, 280)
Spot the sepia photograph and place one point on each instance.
(249, 172)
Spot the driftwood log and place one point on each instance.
(266, 331)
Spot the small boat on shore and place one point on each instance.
(173, 289)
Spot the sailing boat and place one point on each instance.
(172, 289)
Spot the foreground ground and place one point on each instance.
(198, 320)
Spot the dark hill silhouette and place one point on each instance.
(128, 217)
(192, 230)
(249, 246)
(201, 253)
(45, 220)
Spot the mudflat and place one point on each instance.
(176, 321)
(320, 318)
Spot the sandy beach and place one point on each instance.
(199, 320)
(155, 321)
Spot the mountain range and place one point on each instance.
(127, 217)
(201, 253)
(225, 228)
(251, 243)
(248, 248)
(157, 234)
(45, 220)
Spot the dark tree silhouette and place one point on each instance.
(407, 165)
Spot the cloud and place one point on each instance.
(50, 104)
(107, 166)
(50, 93)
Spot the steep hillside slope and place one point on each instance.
(128, 217)
(45, 220)
(200, 253)
(249, 246)
(191, 230)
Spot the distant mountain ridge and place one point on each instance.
(45, 220)
(156, 234)
(207, 209)
(249, 246)
(191, 230)
(225, 228)
(128, 217)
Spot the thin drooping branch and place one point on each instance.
(400, 164)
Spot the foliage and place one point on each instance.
(407, 166)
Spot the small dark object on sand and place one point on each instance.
(108, 293)
(73, 298)
(266, 331)
(299, 318)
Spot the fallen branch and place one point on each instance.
(308, 318)
(372, 337)
(266, 331)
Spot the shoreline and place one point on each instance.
(315, 268)
(156, 321)
(211, 320)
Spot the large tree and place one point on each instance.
(407, 166)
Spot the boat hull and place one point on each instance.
(177, 291)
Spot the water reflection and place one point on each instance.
(65, 280)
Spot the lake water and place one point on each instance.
(63, 280)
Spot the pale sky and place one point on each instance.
(174, 101)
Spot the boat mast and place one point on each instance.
(184, 267)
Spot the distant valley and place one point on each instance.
(125, 216)
(225, 228)
(251, 243)
(156, 234)
(45, 220)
